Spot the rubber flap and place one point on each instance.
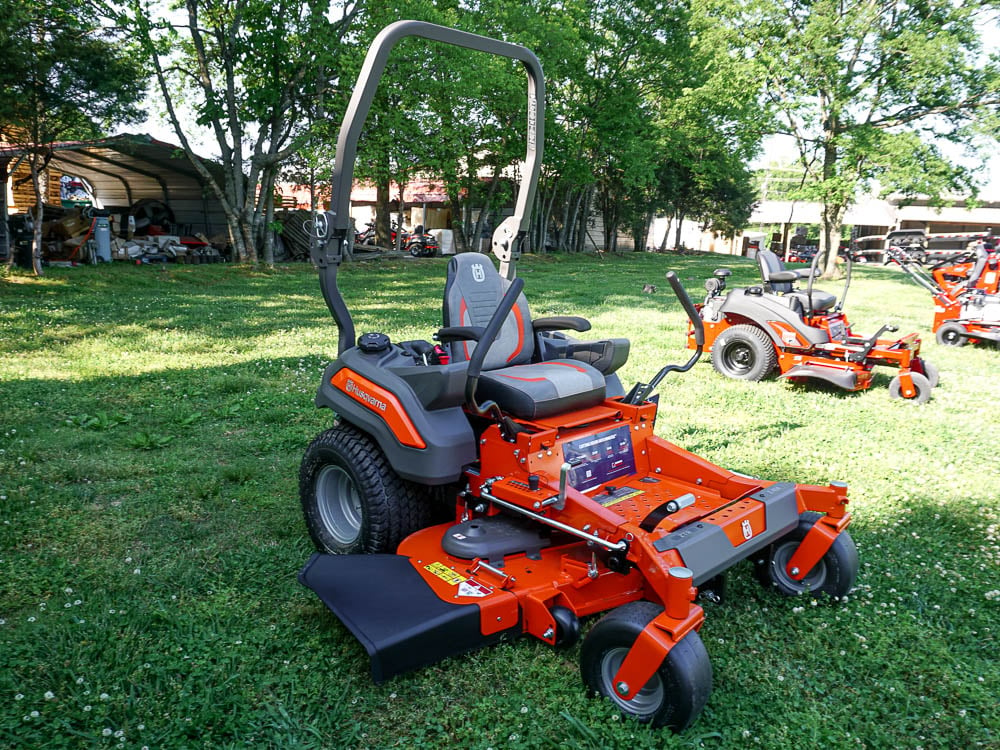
(386, 605)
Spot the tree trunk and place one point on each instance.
(829, 238)
(666, 235)
(833, 209)
(36, 242)
(382, 235)
(679, 218)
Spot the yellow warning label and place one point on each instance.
(445, 573)
(623, 496)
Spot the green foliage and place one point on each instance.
(63, 74)
(153, 592)
(868, 89)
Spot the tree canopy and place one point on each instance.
(870, 89)
(64, 75)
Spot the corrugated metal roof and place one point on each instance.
(126, 168)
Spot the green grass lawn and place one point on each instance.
(151, 425)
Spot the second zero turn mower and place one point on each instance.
(803, 333)
(562, 502)
(966, 292)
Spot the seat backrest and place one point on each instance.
(472, 292)
(770, 263)
(982, 256)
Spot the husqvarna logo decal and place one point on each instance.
(747, 529)
(478, 273)
(368, 398)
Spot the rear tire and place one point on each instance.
(352, 500)
(835, 573)
(678, 690)
(744, 352)
(952, 334)
(920, 382)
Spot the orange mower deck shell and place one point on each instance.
(570, 574)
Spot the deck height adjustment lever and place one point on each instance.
(559, 501)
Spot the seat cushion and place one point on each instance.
(821, 301)
(541, 390)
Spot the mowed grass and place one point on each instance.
(151, 425)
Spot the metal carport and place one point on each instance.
(125, 168)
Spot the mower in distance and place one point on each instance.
(563, 502)
(803, 333)
(965, 292)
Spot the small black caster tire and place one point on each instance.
(931, 372)
(920, 383)
(678, 691)
(567, 627)
(835, 574)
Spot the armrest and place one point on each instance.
(459, 333)
(783, 276)
(560, 323)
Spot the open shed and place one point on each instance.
(124, 170)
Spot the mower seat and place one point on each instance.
(982, 256)
(521, 387)
(774, 273)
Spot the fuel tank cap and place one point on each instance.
(372, 343)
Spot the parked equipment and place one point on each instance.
(804, 333)
(562, 501)
(422, 244)
(966, 292)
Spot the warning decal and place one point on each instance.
(623, 494)
(471, 587)
(445, 573)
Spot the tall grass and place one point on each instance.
(151, 425)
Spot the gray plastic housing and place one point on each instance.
(429, 396)
(760, 308)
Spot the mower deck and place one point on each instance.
(511, 555)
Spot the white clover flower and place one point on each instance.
(19, 697)
(49, 695)
(106, 732)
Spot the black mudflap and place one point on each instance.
(398, 618)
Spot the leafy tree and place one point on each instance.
(869, 89)
(248, 68)
(62, 77)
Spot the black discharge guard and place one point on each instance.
(398, 618)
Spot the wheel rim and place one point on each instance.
(814, 580)
(951, 337)
(339, 504)
(738, 358)
(646, 701)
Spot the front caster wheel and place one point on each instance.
(952, 334)
(352, 500)
(931, 372)
(920, 383)
(677, 691)
(834, 574)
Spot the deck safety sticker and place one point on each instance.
(624, 493)
(445, 573)
(470, 587)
